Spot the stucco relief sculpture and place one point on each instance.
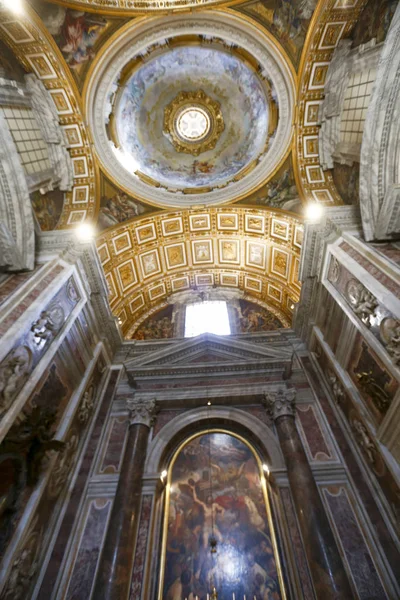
(337, 388)
(47, 325)
(369, 385)
(87, 404)
(390, 333)
(13, 373)
(361, 300)
(63, 465)
(25, 565)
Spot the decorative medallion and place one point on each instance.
(193, 122)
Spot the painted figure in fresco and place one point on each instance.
(160, 326)
(75, 32)
(291, 17)
(255, 318)
(117, 209)
(219, 497)
(47, 208)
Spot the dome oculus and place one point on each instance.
(193, 124)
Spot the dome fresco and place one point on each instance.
(224, 78)
(216, 71)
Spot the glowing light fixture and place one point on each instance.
(85, 232)
(313, 211)
(14, 5)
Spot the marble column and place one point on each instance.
(325, 563)
(115, 567)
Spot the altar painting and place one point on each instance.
(215, 491)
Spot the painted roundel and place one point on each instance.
(195, 111)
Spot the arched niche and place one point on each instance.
(160, 455)
(217, 531)
(238, 421)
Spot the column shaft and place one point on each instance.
(326, 566)
(115, 568)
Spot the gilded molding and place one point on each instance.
(37, 52)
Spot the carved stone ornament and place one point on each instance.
(336, 387)
(87, 404)
(334, 270)
(281, 403)
(63, 466)
(361, 300)
(14, 371)
(389, 330)
(25, 565)
(142, 411)
(47, 325)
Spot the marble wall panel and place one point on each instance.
(163, 418)
(389, 251)
(25, 303)
(377, 273)
(364, 440)
(317, 446)
(141, 548)
(114, 445)
(12, 283)
(373, 511)
(31, 550)
(376, 385)
(31, 345)
(57, 555)
(346, 526)
(297, 544)
(89, 548)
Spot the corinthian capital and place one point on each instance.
(280, 403)
(141, 411)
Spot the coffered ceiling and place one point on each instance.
(147, 260)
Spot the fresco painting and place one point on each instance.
(47, 208)
(216, 493)
(288, 20)
(253, 318)
(157, 327)
(279, 192)
(374, 22)
(347, 182)
(75, 32)
(116, 206)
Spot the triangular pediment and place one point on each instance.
(206, 349)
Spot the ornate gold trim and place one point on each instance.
(211, 109)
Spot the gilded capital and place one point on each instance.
(141, 411)
(281, 403)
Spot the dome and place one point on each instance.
(179, 155)
(198, 111)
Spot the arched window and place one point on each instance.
(217, 499)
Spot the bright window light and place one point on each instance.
(203, 317)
